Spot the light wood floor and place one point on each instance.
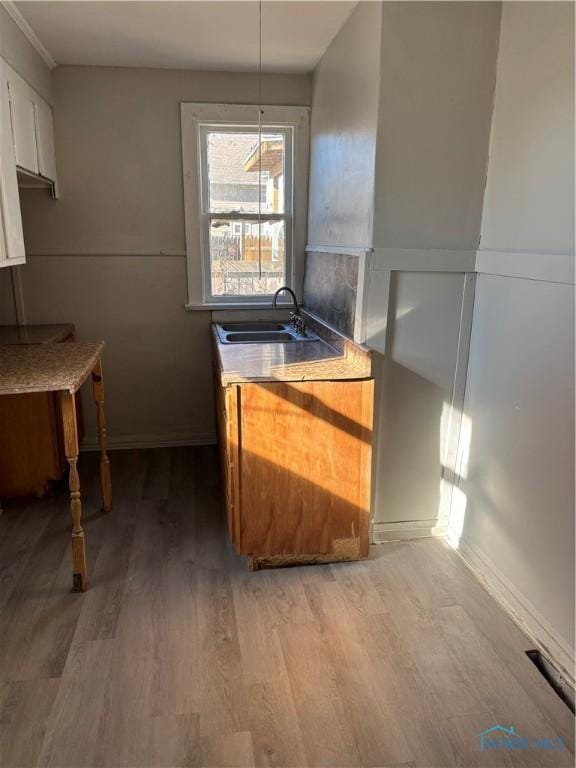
(178, 656)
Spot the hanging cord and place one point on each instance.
(260, 141)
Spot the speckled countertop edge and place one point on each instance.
(26, 368)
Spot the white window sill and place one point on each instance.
(209, 307)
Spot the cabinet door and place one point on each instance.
(29, 458)
(305, 454)
(22, 112)
(45, 140)
(226, 399)
(11, 233)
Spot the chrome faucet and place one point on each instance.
(296, 321)
(288, 290)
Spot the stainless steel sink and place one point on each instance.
(261, 332)
(249, 327)
(234, 338)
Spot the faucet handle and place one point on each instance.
(298, 323)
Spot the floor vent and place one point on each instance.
(560, 685)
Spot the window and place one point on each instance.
(245, 199)
(246, 177)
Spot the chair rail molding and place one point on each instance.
(423, 260)
(548, 267)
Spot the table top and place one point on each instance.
(47, 367)
(35, 334)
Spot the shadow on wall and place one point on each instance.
(410, 408)
(419, 425)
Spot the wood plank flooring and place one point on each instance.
(179, 656)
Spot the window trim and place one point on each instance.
(204, 128)
(193, 117)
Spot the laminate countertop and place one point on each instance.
(294, 361)
(35, 334)
(47, 367)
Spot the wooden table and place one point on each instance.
(32, 455)
(63, 368)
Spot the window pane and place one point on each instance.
(234, 162)
(236, 254)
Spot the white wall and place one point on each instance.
(529, 204)
(418, 374)
(119, 155)
(7, 310)
(108, 256)
(518, 480)
(343, 134)
(436, 88)
(401, 112)
(157, 360)
(437, 80)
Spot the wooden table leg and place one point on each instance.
(70, 427)
(98, 389)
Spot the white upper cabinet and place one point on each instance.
(11, 234)
(32, 127)
(22, 113)
(45, 140)
(26, 144)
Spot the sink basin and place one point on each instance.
(259, 332)
(247, 327)
(261, 336)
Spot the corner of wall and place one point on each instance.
(24, 56)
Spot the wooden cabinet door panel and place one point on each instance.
(232, 462)
(305, 453)
(29, 456)
(32, 454)
(226, 406)
(221, 423)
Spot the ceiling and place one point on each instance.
(216, 35)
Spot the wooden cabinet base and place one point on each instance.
(30, 458)
(296, 459)
(256, 563)
(32, 455)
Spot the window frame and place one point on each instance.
(206, 216)
(198, 119)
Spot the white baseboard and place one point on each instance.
(167, 440)
(520, 609)
(414, 529)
